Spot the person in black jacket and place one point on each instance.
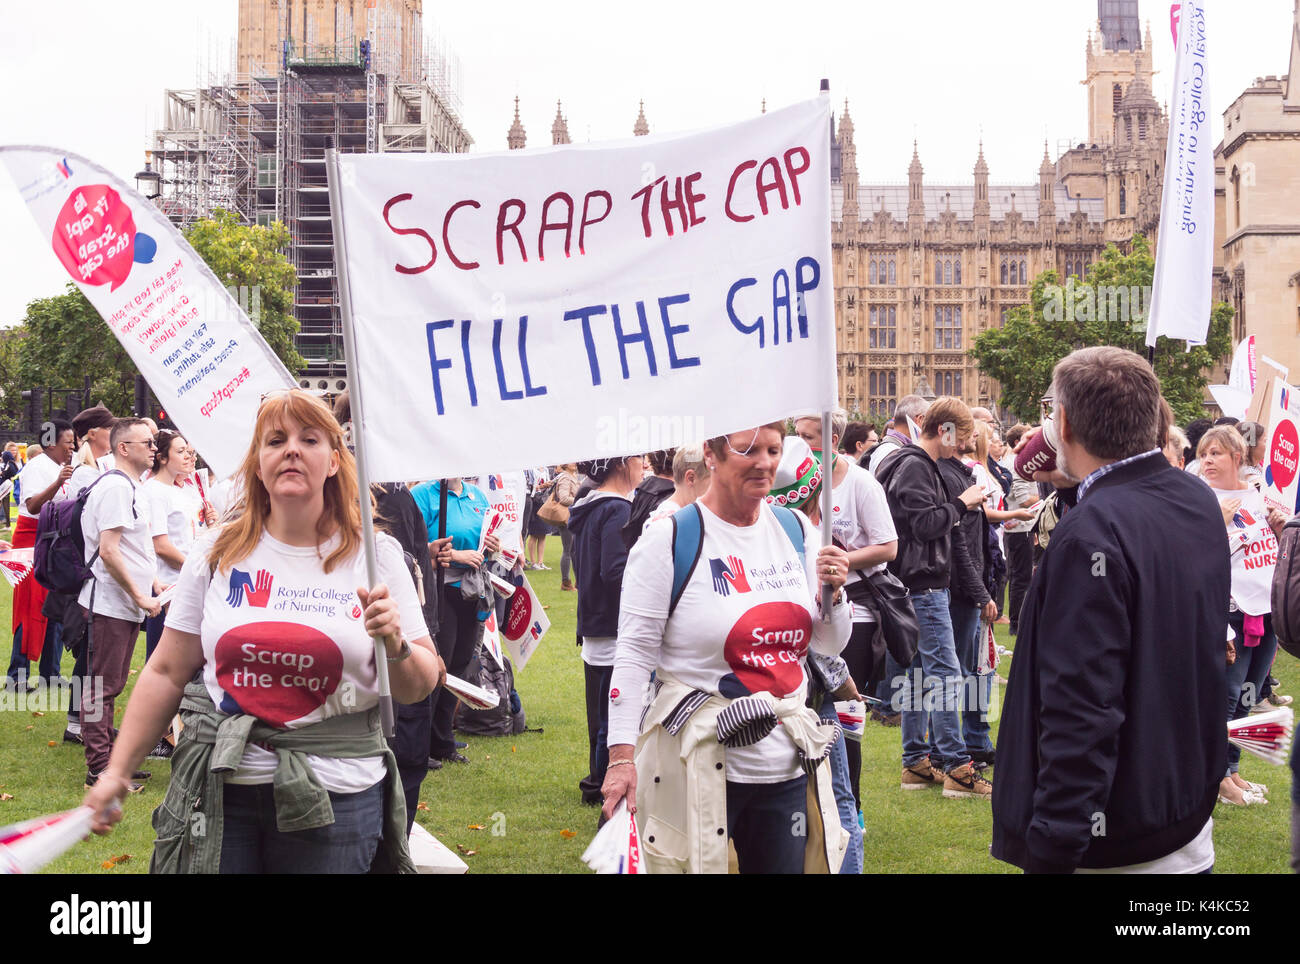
(649, 494)
(924, 516)
(969, 603)
(599, 556)
(1111, 746)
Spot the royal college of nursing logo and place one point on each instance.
(728, 575)
(244, 586)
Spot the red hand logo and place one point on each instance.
(261, 595)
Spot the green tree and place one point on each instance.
(252, 258)
(1108, 309)
(61, 341)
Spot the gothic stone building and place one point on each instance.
(921, 269)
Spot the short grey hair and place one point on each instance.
(689, 457)
(909, 406)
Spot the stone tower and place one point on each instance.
(642, 127)
(848, 167)
(560, 128)
(516, 137)
(1111, 65)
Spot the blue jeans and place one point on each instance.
(976, 690)
(251, 844)
(764, 820)
(51, 654)
(1246, 676)
(844, 800)
(940, 684)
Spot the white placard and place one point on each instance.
(589, 300)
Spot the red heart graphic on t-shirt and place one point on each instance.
(278, 672)
(765, 647)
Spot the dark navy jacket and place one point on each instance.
(599, 556)
(1112, 741)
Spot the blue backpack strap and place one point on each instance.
(688, 540)
(793, 529)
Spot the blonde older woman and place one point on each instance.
(1252, 544)
(728, 657)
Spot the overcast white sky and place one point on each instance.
(88, 76)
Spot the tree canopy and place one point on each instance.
(1108, 308)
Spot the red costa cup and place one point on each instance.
(1039, 453)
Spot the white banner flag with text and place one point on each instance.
(1180, 298)
(588, 300)
(204, 360)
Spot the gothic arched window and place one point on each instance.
(1003, 275)
(871, 272)
(947, 272)
(956, 271)
(1123, 200)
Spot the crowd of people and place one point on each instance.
(721, 640)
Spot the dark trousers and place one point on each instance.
(866, 667)
(51, 654)
(114, 645)
(410, 746)
(80, 671)
(1020, 570)
(768, 823)
(458, 636)
(251, 843)
(596, 680)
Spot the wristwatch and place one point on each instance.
(403, 653)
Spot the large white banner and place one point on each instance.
(1180, 299)
(204, 360)
(588, 300)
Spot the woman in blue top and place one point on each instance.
(459, 621)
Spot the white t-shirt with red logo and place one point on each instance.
(1254, 551)
(860, 518)
(743, 625)
(284, 641)
(664, 510)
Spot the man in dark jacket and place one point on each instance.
(969, 602)
(1112, 744)
(924, 516)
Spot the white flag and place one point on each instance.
(1180, 300)
(588, 300)
(204, 360)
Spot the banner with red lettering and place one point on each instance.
(203, 358)
(588, 300)
(1281, 480)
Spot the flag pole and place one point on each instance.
(359, 420)
(828, 471)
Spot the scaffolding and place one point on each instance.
(255, 142)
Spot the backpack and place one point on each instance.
(1286, 588)
(507, 717)
(60, 556)
(688, 541)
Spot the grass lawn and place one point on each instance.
(523, 790)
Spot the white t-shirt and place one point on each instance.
(173, 512)
(860, 518)
(744, 624)
(1191, 858)
(664, 510)
(1254, 551)
(82, 476)
(116, 503)
(283, 641)
(599, 650)
(37, 476)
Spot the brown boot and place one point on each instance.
(965, 782)
(568, 586)
(921, 775)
